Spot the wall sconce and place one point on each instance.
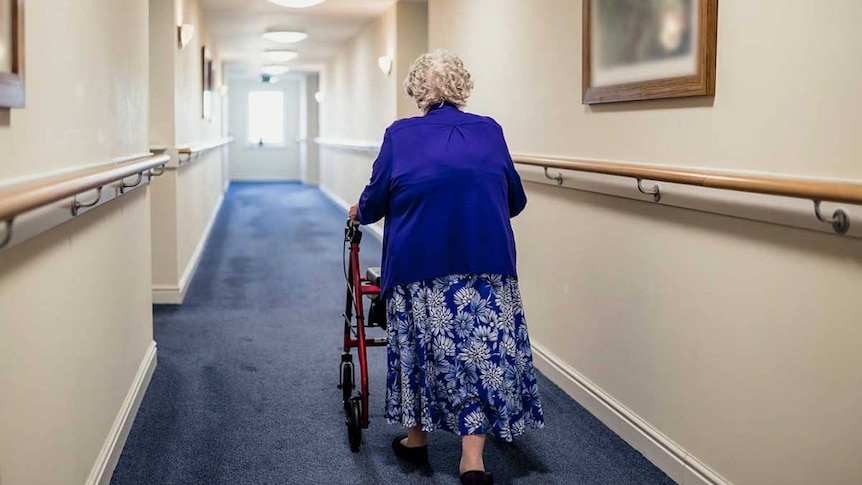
(385, 64)
(186, 33)
(318, 96)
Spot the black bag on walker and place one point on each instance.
(377, 313)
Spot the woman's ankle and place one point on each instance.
(415, 437)
(471, 465)
(472, 453)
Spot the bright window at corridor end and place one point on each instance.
(266, 118)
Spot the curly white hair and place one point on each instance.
(437, 77)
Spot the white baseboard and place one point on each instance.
(103, 469)
(174, 295)
(668, 456)
(168, 295)
(375, 229)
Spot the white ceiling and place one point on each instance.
(237, 26)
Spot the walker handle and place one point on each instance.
(352, 233)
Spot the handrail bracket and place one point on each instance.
(840, 220)
(153, 173)
(655, 192)
(122, 186)
(7, 232)
(558, 177)
(77, 206)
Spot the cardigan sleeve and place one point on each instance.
(374, 201)
(515, 189)
(517, 196)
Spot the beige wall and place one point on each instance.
(734, 339)
(309, 151)
(199, 195)
(75, 320)
(72, 90)
(781, 106)
(412, 41)
(360, 101)
(165, 231)
(188, 196)
(163, 66)
(190, 126)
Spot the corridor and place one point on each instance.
(624, 234)
(245, 388)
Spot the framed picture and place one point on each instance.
(208, 83)
(11, 53)
(648, 49)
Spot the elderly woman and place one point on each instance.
(458, 349)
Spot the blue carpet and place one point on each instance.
(244, 391)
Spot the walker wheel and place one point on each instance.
(346, 382)
(354, 423)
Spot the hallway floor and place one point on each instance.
(245, 387)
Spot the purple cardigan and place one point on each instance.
(447, 186)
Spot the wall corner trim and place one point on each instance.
(174, 295)
(668, 456)
(103, 469)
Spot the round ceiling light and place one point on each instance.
(285, 36)
(297, 3)
(280, 56)
(275, 70)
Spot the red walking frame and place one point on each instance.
(355, 324)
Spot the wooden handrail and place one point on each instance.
(846, 192)
(25, 197)
(816, 190)
(348, 144)
(797, 187)
(204, 146)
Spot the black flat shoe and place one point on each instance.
(477, 477)
(415, 456)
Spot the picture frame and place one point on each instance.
(208, 83)
(648, 49)
(12, 93)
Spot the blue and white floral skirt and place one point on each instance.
(459, 357)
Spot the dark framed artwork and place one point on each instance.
(648, 49)
(208, 83)
(12, 53)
